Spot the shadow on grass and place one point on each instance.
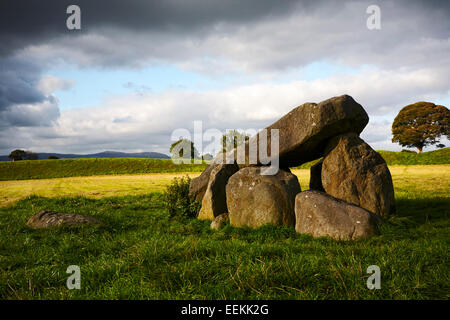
(117, 214)
(422, 211)
(146, 213)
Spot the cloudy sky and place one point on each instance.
(138, 70)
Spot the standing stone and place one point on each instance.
(322, 215)
(315, 179)
(198, 185)
(214, 200)
(303, 135)
(254, 199)
(354, 172)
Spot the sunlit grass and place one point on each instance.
(91, 187)
(405, 177)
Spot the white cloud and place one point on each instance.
(49, 84)
(147, 120)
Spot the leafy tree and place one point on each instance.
(184, 148)
(52, 157)
(232, 139)
(420, 124)
(30, 155)
(17, 155)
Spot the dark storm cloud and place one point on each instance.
(35, 115)
(25, 22)
(22, 103)
(265, 35)
(18, 81)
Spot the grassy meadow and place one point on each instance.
(139, 252)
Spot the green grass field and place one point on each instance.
(46, 169)
(141, 253)
(441, 156)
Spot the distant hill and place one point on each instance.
(105, 154)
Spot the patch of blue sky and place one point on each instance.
(94, 85)
(444, 101)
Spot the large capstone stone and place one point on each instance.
(255, 200)
(321, 215)
(305, 131)
(303, 134)
(354, 172)
(47, 219)
(214, 201)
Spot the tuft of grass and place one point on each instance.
(177, 200)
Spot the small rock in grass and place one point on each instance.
(47, 219)
(220, 221)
